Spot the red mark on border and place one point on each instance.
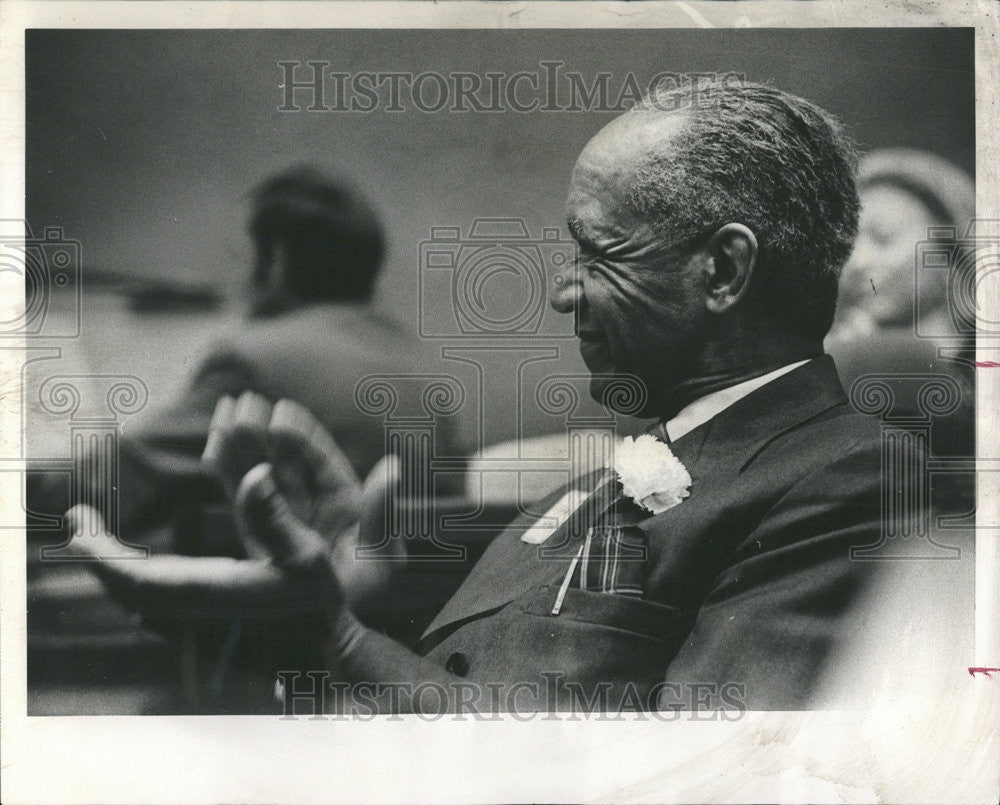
(987, 364)
(987, 672)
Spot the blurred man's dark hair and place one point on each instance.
(329, 238)
(778, 164)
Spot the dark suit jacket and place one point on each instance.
(749, 583)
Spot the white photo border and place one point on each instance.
(923, 751)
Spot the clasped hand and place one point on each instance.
(301, 512)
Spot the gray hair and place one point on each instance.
(780, 165)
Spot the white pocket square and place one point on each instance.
(549, 523)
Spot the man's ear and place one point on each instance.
(732, 252)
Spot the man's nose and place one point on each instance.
(566, 293)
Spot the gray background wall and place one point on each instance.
(143, 144)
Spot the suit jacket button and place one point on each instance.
(457, 664)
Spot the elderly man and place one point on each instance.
(713, 222)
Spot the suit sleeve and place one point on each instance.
(784, 605)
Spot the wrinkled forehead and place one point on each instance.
(606, 168)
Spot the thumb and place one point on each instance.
(267, 520)
(376, 499)
(89, 537)
(84, 520)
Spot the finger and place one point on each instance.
(211, 587)
(288, 440)
(82, 519)
(88, 536)
(375, 501)
(295, 435)
(218, 429)
(220, 587)
(384, 475)
(242, 443)
(266, 517)
(250, 418)
(90, 539)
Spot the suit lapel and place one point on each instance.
(736, 435)
(510, 567)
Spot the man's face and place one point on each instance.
(639, 306)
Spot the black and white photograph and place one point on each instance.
(500, 402)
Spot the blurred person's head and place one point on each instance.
(904, 192)
(316, 239)
(713, 221)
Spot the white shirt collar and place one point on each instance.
(704, 408)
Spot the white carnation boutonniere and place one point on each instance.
(650, 473)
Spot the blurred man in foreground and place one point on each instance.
(310, 334)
